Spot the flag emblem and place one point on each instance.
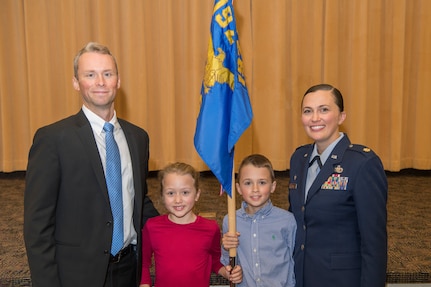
(225, 111)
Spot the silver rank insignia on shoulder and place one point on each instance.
(338, 169)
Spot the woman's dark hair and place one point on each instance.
(326, 87)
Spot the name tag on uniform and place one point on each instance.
(293, 185)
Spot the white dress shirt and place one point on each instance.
(130, 235)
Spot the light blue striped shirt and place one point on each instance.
(265, 246)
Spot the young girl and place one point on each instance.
(186, 247)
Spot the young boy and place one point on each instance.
(265, 234)
(186, 247)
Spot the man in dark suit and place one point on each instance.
(339, 201)
(68, 222)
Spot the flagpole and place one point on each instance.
(225, 106)
(231, 213)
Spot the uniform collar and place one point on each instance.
(327, 152)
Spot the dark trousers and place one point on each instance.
(123, 272)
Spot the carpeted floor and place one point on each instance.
(409, 223)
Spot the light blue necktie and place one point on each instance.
(113, 182)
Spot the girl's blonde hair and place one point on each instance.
(179, 168)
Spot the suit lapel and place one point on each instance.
(86, 135)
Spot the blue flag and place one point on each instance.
(225, 110)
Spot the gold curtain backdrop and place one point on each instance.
(377, 52)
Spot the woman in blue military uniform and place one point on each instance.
(338, 194)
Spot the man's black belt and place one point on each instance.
(123, 252)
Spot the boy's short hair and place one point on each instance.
(257, 160)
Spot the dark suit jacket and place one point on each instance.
(67, 216)
(341, 238)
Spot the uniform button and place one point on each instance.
(106, 251)
(304, 227)
(303, 208)
(109, 223)
(302, 247)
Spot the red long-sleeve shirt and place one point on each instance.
(184, 254)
